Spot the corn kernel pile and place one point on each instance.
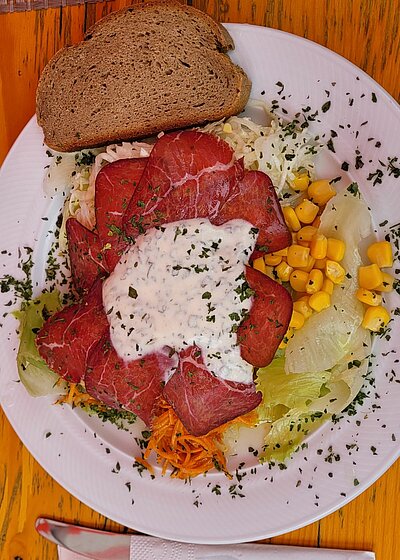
(373, 281)
(311, 264)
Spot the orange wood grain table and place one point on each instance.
(364, 31)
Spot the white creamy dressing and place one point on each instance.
(182, 284)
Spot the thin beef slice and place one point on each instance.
(115, 184)
(201, 400)
(260, 334)
(194, 175)
(67, 337)
(189, 175)
(134, 386)
(256, 202)
(85, 254)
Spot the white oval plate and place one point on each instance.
(94, 462)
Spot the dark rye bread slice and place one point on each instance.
(139, 71)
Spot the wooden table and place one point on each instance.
(364, 31)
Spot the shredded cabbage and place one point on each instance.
(328, 336)
(75, 174)
(37, 378)
(278, 149)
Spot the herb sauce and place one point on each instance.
(183, 284)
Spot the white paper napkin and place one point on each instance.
(149, 548)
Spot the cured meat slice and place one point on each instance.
(135, 385)
(194, 175)
(189, 175)
(86, 257)
(66, 339)
(256, 202)
(260, 334)
(115, 185)
(202, 401)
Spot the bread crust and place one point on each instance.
(139, 71)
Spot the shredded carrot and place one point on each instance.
(76, 396)
(145, 464)
(187, 455)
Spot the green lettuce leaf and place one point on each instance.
(286, 407)
(287, 390)
(287, 434)
(37, 378)
(295, 405)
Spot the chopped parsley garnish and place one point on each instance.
(132, 292)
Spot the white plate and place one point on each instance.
(94, 462)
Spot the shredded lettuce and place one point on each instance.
(328, 336)
(37, 378)
(265, 142)
(74, 174)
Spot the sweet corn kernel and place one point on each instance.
(288, 335)
(227, 128)
(281, 253)
(259, 264)
(370, 277)
(298, 280)
(319, 301)
(327, 286)
(283, 270)
(309, 266)
(306, 233)
(302, 307)
(321, 191)
(315, 281)
(320, 263)
(375, 318)
(306, 211)
(381, 254)
(291, 218)
(297, 320)
(301, 182)
(302, 243)
(272, 260)
(318, 246)
(297, 256)
(270, 272)
(387, 283)
(334, 271)
(335, 249)
(317, 222)
(368, 297)
(294, 237)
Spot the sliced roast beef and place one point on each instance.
(260, 334)
(135, 385)
(195, 175)
(86, 256)
(66, 339)
(201, 400)
(189, 175)
(115, 185)
(256, 202)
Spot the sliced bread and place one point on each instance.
(139, 71)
